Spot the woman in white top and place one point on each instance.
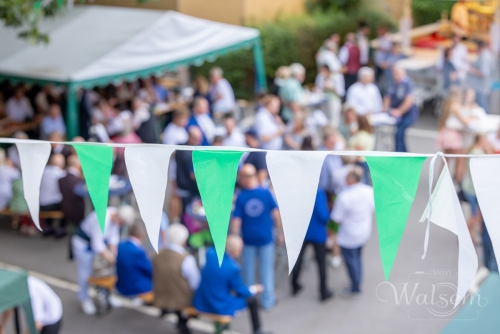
(8, 173)
(268, 125)
(332, 84)
(363, 140)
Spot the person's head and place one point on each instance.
(364, 125)
(283, 72)
(251, 139)
(398, 74)
(298, 71)
(330, 45)
(195, 137)
(181, 117)
(325, 70)
(350, 115)
(481, 141)
(54, 111)
(350, 37)
(201, 85)
(355, 175)
(78, 139)
(366, 75)
(382, 30)
(271, 103)
(20, 135)
(396, 48)
(330, 140)
(234, 246)
(126, 216)
(470, 96)
(19, 92)
(137, 231)
(454, 98)
(456, 38)
(57, 160)
(218, 141)
(74, 162)
(229, 123)
(177, 234)
(200, 106)
(307, 144)
(56, 137)
(335, 38)
(364, 28)
(216, 74)
(480, 45)
(247, 177)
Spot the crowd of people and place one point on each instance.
(353, 84)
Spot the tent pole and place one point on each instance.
(260, 71)
(72, 113)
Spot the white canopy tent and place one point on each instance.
(97, 45)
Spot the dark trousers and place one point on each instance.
(404, 124)
(52, 329)
(253, 308)
(352, 259)
(350, 79)
(320, 253)
(181, 320)
(49, 222)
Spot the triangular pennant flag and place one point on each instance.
(484, 174)
(97, 162)
(295, 177)
(215, 173)
(446, 212)
(33, 157)
(147, 169)
(395, 182)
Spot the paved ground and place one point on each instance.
(378, 310)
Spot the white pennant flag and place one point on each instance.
(484, 174)
(33, 157)
(447, 213)
(147, 169)
(295, 178)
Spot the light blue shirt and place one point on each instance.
(50, 125)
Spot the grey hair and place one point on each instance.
(365, 71)
(297, 69)
(217, 71)
(356, 173)
(177, 234)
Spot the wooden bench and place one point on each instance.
(221, 322)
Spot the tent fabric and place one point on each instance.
(14, 292)
(97, 45)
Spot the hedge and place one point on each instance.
(288, 40)
(428, 11)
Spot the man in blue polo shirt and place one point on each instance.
(255, 215)
(399, 102)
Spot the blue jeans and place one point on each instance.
(352, 258)
(403, 124)
(265, 255)
(472, 200)
(84, 259)
(489, 258)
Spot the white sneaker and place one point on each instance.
(336, 261)
(88, 307)
(115, 302)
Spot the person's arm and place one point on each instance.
(236, 284)
(262, 175)
(291, 143)
(404, 107)
(144, 264)
(338, 212)
(343, 55)
(190, 272)
(236, 226)
(321, 207)
(268, 138)
(279, 226)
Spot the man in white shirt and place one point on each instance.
(353, 211)
(327, 56)
(88, 240)
(481, 73)
(221, 92)
(50, 194)
(459, 57)
(364, 95)
(46, 305)
(175, 133)
(175, 275)
(18, 107)
(233, 136)
(268, 125)
(202, 120)
(363, 43)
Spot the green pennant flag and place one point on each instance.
(395, 182)
(97, 162)
(215, 173)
